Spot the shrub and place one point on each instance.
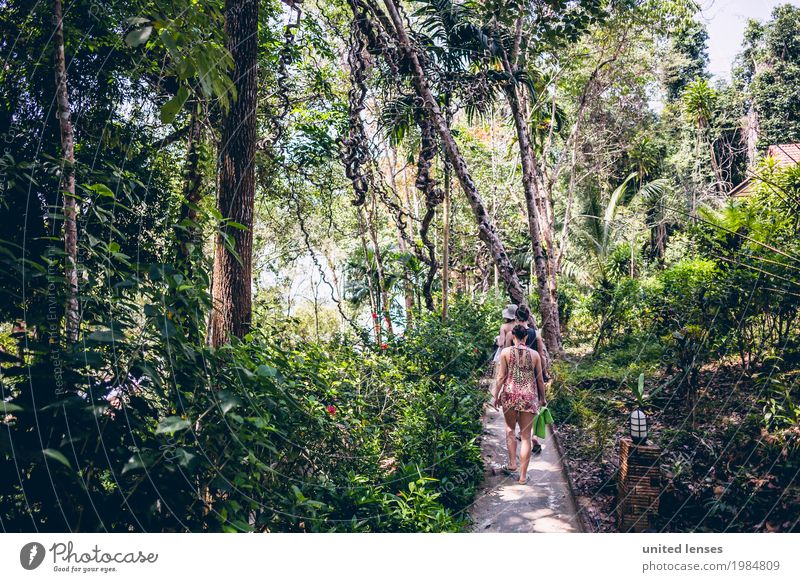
(148, 429)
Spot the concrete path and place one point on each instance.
(545, 504)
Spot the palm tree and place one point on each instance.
(699, 105)
(602, 233)
(644, 155)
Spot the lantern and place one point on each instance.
(638, 427)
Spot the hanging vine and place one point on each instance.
(313, 255)
(355, 151)
(434, 196)
(285, 57)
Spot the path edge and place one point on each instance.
(583, 521)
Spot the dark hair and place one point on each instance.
(523, 313)
(520, 331)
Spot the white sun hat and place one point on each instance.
(510, 312)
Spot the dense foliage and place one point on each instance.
(715, 333)
(362, 203)
(272, 433)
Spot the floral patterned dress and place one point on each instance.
(520, 392)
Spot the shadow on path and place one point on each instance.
(545, 504)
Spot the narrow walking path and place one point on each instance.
(545, 504)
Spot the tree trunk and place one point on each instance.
(231, 288)
(486, 229)
(446, 242)
(427, 287)
(186, 231)
(548, 304)
(562, 251)
(408, 291)
(548, 237)
(373, 234)
(721, 184)
(71, 311)
(373, 299)
(752, 135)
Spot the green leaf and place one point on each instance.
(102, 190)
(7, 407)
(139, 461)
(264, 371)
(169, 42)
(611, 209)
(171, 108)
(89, 358)
(183, 457)
(166, 327)
(136, 20)
(138, 36)
(228, 401)
(105, 336)
(57, 456)
(172, 424)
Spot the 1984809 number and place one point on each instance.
(756, 565)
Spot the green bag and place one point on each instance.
(541, 421)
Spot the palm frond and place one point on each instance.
(611, 208)
(397, 118)
(578, 273)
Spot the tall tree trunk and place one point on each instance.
(720, 185)
(548, 304)
(373, 298)
(231, 288)
(752, 135)
(446, 219)
(187, 234)
(547, 228)
(540, 221)
(446, 242)
(373, 234)
(408, 290)
(434, 196)
(486, 230)
(562, 251)
(71, 310)
(494, 191)
(427, 286)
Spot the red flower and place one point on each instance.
(474, 350)
(384, 346)
(331, 409)
(374, 316)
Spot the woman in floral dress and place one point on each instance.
(520, 391)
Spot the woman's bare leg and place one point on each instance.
(525, 425)
(511, 439)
